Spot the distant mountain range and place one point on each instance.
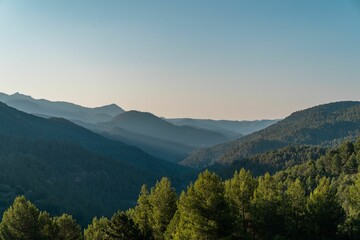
(321, 125)
(70, 111)
(233, 129)
(66, 168)
(169, 139)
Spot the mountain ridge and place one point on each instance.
(319, 125)
(62, 109)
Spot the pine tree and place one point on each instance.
(325, 213)
(239, 191)
(21, 221)
(351, 165)
(357, 146)
(96, 230)
(354, 198)
(203, 210)
(49, 229)
(268, 215)
(142, 212)
(163, 203)
(295, 212)
(67, 228)
(351, 227)
(122, 227)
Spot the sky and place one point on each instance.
(229, 59)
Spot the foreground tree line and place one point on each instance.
(239, 208)
(313, 200)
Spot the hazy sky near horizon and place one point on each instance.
(231, 59)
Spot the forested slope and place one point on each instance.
(326, 124)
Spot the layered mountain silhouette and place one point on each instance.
(63, 167)
(70, 111)
(326, 124)
(157, 136)
(169, 139)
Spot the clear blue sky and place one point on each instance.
(190, 58)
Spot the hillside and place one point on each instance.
(271, 161)
(65, 110)
(326, 124)
(64, 167)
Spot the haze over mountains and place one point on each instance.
(234, 129)
(65, 110)
(157, 136)
(170, 139)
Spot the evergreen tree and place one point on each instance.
(67, 228)
(346, 149)
(49, 229)
(351, 228)
(96, 230)
(295, 212)
(172, 227)
(142, 212)
(357, 146)
(354, 197)
(351, 165)
(163, 203)
(203, 211)
(21, 221)
(121, 227)
(268, 215)
(239, 191)
(325, 213)
(336, 164)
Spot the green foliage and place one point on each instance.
(142, 212)
(273, 161)
(163, 202)
(268, 212)
(239, 192)
(122, 227)
(96, 230)
(295, 210)
(203, 210)
(67, 228)
(354, 198)
(21, 221)
(325, 213)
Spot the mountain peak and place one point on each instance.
(111, 107)
(20, 96)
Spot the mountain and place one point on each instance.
(233, 129)
(157, 136)
(326, 124)
(70, 111)
(150, 125)
(66, 168)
